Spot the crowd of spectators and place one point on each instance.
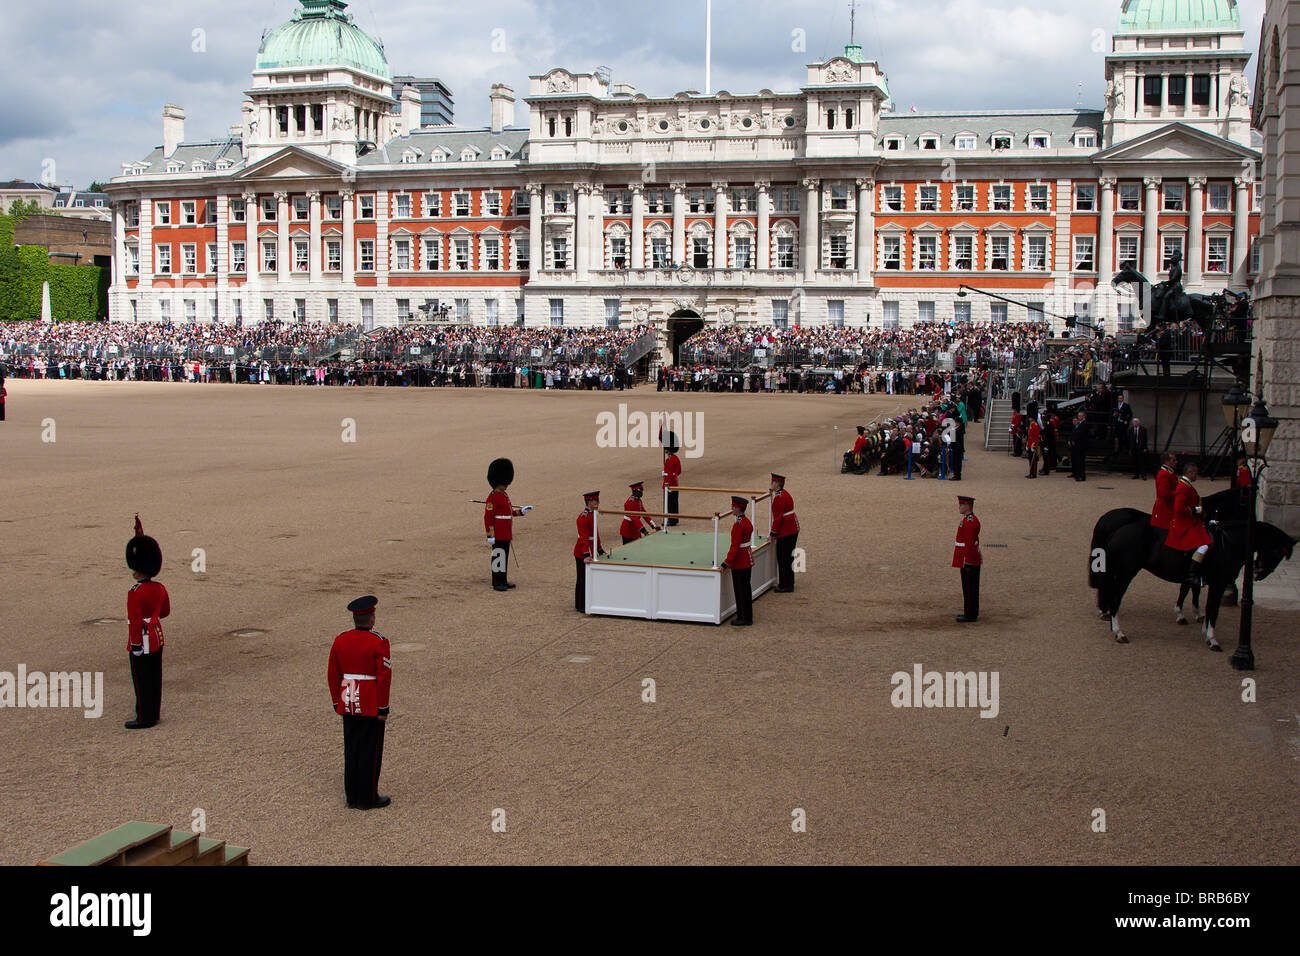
(926, 442)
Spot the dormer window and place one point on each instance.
(467, 155)
(438, 156)
(223, 164)
(965, 141)
(893, 143)
(1001, 140)
(1085, 140)
(498, 153)
(175, 167)
(196, 166)
(929, 142)
(409, 156)
(1039, 141)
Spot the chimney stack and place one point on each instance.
(411, 100)
(502, 102)
(173, 128)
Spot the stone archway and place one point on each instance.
(682, 324)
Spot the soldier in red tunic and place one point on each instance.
(1166, 484)
(672, 476)
(1033, 443)
(966, 555)
(146, 604)
(785, 531)
(498, 520)
(632, 529)
(740, 562)
(1243, 482)
(360, 677)
(1187, 526)
(582, 547)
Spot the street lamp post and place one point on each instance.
(1256, 435)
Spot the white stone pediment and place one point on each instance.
(1177, 141)
(292, 162)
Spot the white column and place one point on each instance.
(534, 230)
(764, 224)
(720, 243)
(1195, 229)
(349, 237)
(1106, 241)
(222, 267)
(119, 246)
(381, 243)
(1150, 229)
(638, 226)
(282, 233)
(146, 249)
(812, 209)
(314, 252)
(866, 227)
(679, 223)
(252, 247)
(596, 228)
(582, 230)
(1241, 230)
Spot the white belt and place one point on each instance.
(358, 676)
(503, 517)
(744, 546)
(960, 544)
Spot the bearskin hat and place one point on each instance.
(670, 443)
(501, 472)
(142, 552)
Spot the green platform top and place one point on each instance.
(1178, 16)
(108, 845)
(321, 34)
(676, 549)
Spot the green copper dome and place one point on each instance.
(1151, 16)
(321, 34)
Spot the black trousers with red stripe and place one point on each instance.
(363, 755)
(146, 676)
(785, 561)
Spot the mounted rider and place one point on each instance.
(1187, 525)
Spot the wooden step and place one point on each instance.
(122, 846)
(184, 845)
(209, 853)
(236, 856)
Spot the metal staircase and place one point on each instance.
(997, 425)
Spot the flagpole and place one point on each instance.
(708, 47)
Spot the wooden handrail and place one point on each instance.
(722, 491)
(658, 514)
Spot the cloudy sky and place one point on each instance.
(87, 81)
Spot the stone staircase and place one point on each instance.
(150, 844)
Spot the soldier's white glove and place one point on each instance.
(491, 541)
(525, 509)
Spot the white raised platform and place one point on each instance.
(702, 595)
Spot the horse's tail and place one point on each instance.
(1097, 557)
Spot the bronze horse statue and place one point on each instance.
(1166, 301)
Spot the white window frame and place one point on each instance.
(1077, 244)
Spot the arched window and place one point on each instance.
(848, 117)
(568, 126)
(830, 118)
(550, 124)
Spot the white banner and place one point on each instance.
(537, 353)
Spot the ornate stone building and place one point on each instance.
(818, 205)
(1277, 290)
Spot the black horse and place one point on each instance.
(1124, 544)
